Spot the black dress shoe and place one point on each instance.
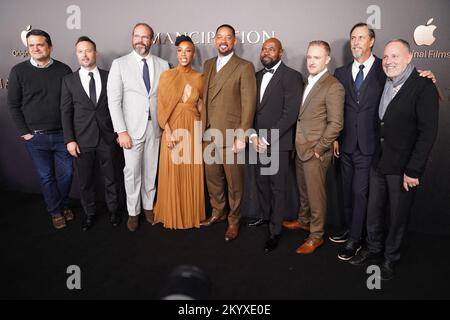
(349, 250)
(271, 243)
(340, 237)
(88, 222)
(387, 270)
(363, 256)
(258, 222)
(114, 219)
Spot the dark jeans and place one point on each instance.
(54, 167)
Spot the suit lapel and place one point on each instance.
(208, 72)
(79, 87)
(153, 65)
(315, 89)
(259, 77)
(272, 84)
(104, 77)
(351, 83)
(137, 72)
(370, 76)
(223, 75)
(403, 89)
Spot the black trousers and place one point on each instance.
(107, 155)
(355, 169)
(384, 191)
(272, 192)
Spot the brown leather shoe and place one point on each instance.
(150, 216)
(58, 221)
(232, 232)
(309, 246)
(133, 223)
(295, 225)
(68, 214)
(212, 220)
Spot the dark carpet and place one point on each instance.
(118, 264)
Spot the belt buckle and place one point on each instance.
(52, 131)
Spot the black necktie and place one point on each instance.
(268, 70)
(92, 90)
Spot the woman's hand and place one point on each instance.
(170, 139)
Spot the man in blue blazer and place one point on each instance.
(363, 80)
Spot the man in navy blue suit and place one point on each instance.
(363, 80)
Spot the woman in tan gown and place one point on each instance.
(180, 201)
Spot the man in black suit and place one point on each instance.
(408, 120)
(88, 131)
(279, 93)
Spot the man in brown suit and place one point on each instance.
(229, 103)
(319, 122)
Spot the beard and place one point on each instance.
(269, 64)
(357, 54)
(142, 50)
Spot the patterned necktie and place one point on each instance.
(359, 77)
(92, 89)
(146, 75)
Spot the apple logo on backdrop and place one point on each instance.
(23, 35)
(423, 35)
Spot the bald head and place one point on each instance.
(396, 57)
(271, 52)
(275, 42)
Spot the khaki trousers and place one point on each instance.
(311, 179)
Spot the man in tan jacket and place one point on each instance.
(229, 104)
(319, 122)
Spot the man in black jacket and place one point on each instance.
(34, 93)
(88, 131)
(279, 93)
(408, 119)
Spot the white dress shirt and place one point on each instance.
(264, 83)
(367, 65)
(266, 79)
(311, 82)
(141, 66)
(85, 79)
(222, 61)
(35, 64)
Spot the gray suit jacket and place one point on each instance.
(128, 100)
